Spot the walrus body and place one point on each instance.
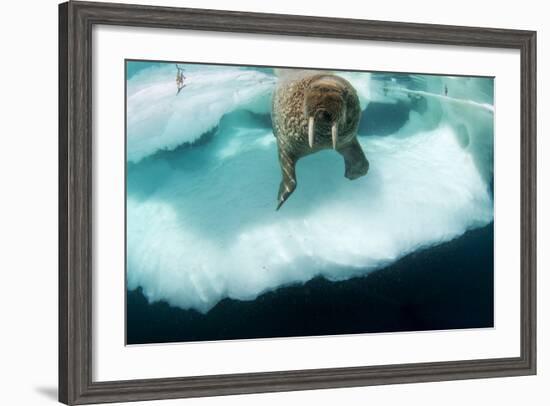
(313, 111)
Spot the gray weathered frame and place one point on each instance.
(76, 20)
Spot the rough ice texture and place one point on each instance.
(158, 119)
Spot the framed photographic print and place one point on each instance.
(256, 202)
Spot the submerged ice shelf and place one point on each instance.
(201, 224)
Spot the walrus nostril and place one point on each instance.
(326, 116)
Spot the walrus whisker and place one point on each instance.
(334, 131)
(310, 131)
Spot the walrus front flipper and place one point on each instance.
(356, 163)
(288, 169)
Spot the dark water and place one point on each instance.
(449, 286)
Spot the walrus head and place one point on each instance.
(325, 107)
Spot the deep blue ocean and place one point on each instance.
(408, 247)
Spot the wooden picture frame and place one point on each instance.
(76, 20)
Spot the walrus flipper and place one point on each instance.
(288, 170)
(357, 164)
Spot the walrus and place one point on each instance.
(312, 111)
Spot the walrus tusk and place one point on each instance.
(310, 132)
(334, 134)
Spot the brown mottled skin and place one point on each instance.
(329, 99)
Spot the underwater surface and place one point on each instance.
(407, 247)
